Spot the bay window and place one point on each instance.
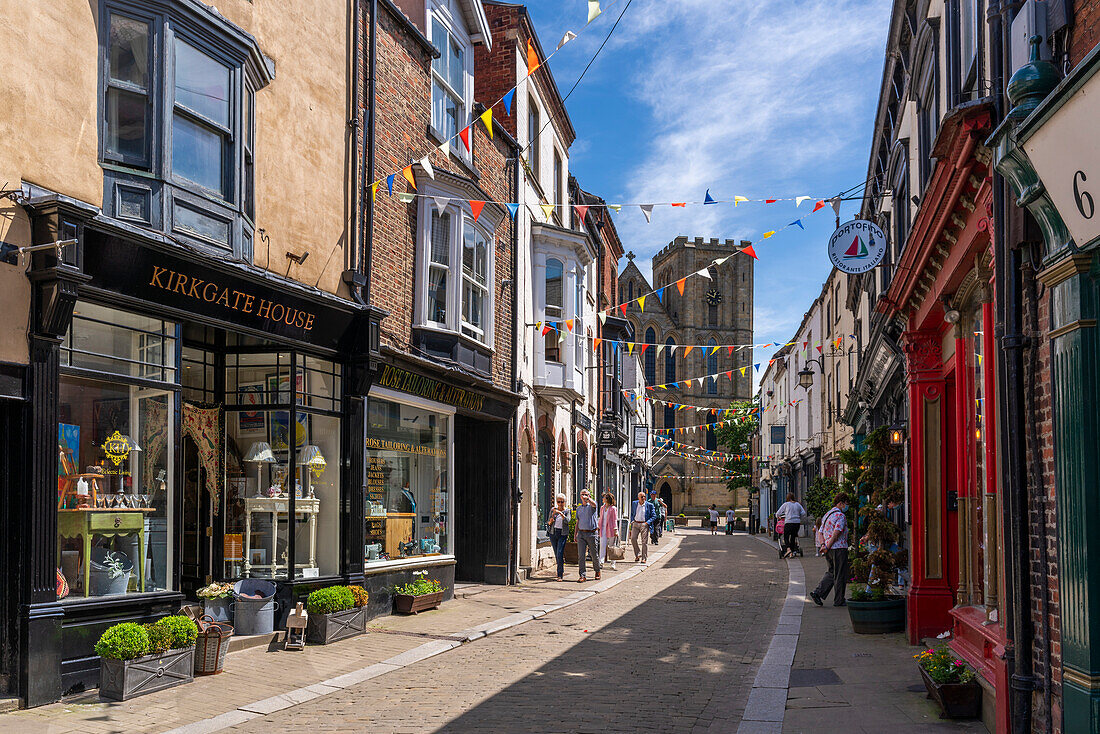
(178, 110)
(555, 274)
(454, 246)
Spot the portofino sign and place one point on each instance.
(857, 246)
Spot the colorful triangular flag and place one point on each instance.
(708, 200)
(389, 182)
(817, 206)
(582, 210)
(797, 222)
(641, 303)
(799, 199)
(508, 100)
(407, 172)
(738, 199)
(532, 58)
(593, 10)
(476, 207)
(464, 135)
(547, 209)
(406, 198)
(647, 209)
(487, 120)
(569, 36)
(427, 166)
(512, 209)
(661, 295)
(747, 249)
(680, 285)
(445, 148)
(441, 203)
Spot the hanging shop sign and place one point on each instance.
(857, 246)
(581, 419)
(192, 286)
(778, 434)
(641, 437)
(1071, 173)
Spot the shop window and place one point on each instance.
(475, 283)
(555, 277)
(408, 499)
(546, 481)
(282, 440)
(178, 122)
(452, 77)
(116, 448)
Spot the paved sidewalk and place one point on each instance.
(856, 683)
(261, 680)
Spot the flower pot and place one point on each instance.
(121, 680)
(877, 617)
(409, 604)
(571, 552)
(956, 700)
(218, 609)
(321, 629)
(100, 582)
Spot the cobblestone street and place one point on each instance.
(670, 650)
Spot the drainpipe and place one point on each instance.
(517, 341)
(357, 199)
(1012, 421)
(368, 178)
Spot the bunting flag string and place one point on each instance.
(688, 348)
(716, 424)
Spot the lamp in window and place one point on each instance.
(260, 453)
(310, 457)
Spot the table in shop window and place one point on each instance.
(85, 522)
(278, 507)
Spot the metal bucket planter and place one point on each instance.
(121, 680)
(956, 700)
(409, 604)
(877, 617)
(321, 629)
(254, 616)
(100, 582)
(218, 610)
(211, 647)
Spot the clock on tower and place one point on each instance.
(714, 297)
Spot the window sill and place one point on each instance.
(372, 568)
(467, 165)
(467, 340)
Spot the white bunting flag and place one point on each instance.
(647, 209)
(569, 36)
(441, 203)
(427, 166)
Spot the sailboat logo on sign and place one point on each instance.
(857, 246)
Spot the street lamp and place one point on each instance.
(897, 434)
(806, 375)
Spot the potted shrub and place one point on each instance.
(420, 595)
(138, 659)
(950, 683)
(336, 613)
(876, 558)
(681, 520)
(216, 599)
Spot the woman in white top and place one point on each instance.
(713, 520)
(792, 513)
(558, 525)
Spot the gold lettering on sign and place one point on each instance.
(425, 387)
(233, 300)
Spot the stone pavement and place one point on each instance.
(263, 679)
(853, 683)
(672, 650)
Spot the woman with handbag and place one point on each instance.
(558, 526)
(609, 530)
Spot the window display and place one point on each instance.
(115, 455)
(408, 489)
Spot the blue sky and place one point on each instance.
(765, 99)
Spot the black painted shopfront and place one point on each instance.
(173, 403)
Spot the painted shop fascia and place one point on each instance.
(170, 346)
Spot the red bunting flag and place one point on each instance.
(748, 251)
(682, 203)
(582, 209)
(546, 329)
(643, 349)
(818, 205)
(476, 207)
(819, 349)
(622, 307)
(770, 201)
(730, 349)
(464, 133)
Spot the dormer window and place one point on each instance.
(452, 72)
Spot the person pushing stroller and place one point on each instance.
(793, 514)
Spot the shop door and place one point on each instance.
(197, 569)
(951, 455)
(12, 482)
(482, 504)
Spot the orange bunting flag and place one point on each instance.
(681, 281)
(532, 58)
(682, 203)
(476, 207)
(597, 342)
(407, 172)
(748, 251)
(687, 350)
(569, 324)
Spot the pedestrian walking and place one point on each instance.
(729, 521)
(558, 526)
(659, 517)
(585, 536)
(713, 520)
(609, 527)
(642, 515)
(792, 513)
(834, 531)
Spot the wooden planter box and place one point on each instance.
(321, 629)
(956, 700)
(681, 522)
(121, 680)
(408, 604)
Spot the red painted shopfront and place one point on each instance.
(942, 289)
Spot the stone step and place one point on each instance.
(10, 703)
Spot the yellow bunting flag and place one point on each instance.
(615, 207)
(743, 371)
(641, 303)
(487, 118)
(769, 234)
(680, 285)
(630, 347)
(547, 209)
(738, 199)
(374, 191)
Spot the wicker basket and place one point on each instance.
(212, 645)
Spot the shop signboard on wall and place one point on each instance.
(857, 246)
(194, 285)
(395, 378)
(641, 437)
(779, 434)
(1071, 173)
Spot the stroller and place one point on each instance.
(795, 549)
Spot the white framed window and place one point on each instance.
(534, 127)
(578, 323)
(555, 306)
(454, 271)
(452, 72)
